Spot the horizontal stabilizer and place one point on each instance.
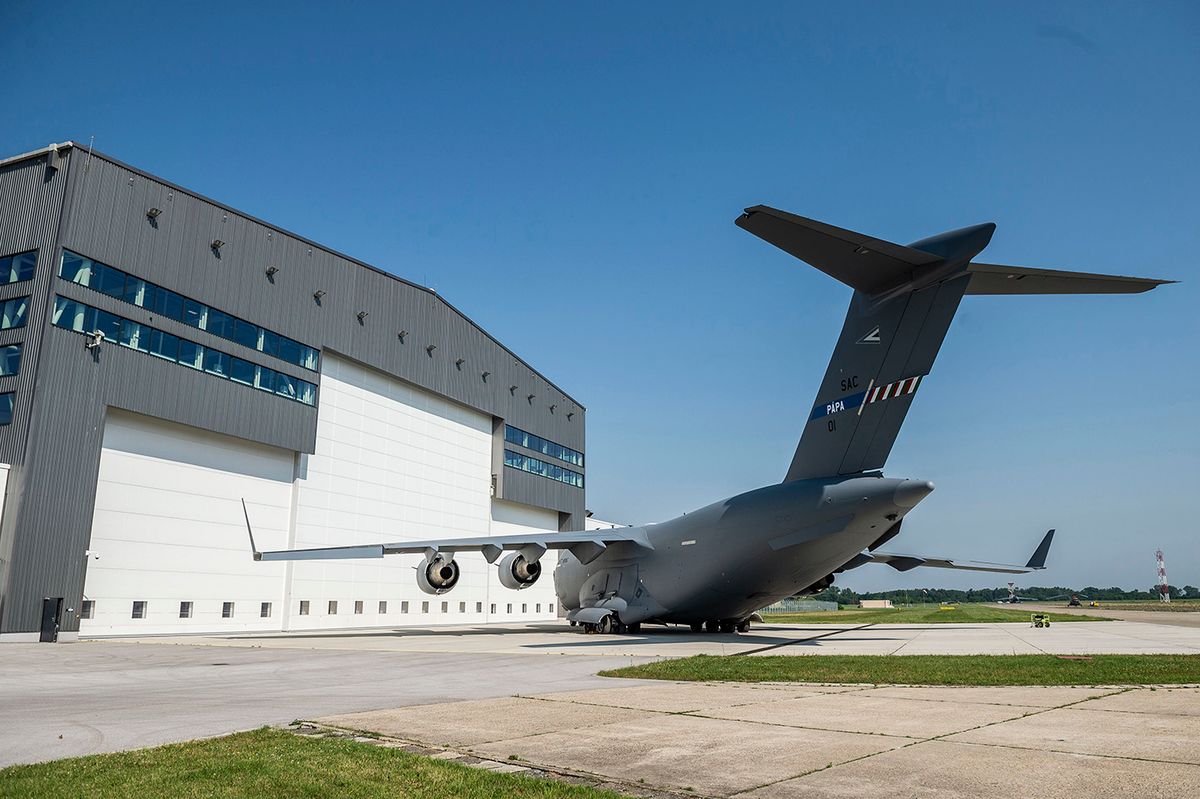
(862, 262)
(905, 562)
(1000, 279)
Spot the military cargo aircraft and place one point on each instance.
(714, 567)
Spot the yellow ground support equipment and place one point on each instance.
(1039, 620)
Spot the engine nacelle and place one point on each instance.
(516, 572)
(437, 576)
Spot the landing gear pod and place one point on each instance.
(437, 575)
(516, 572)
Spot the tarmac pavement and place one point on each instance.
(768, 741)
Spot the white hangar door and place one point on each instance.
(168, 530)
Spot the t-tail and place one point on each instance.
(904, 300)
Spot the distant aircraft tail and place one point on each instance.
(904, 300)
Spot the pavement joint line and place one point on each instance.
(1071, 752)
(802, 640)
(970, 729)
(699, 714)
(449, 753)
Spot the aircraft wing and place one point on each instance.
(586, 545)
(905, 562)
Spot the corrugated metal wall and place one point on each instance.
(52, 490)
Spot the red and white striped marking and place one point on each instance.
(897, 389)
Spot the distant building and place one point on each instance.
(875, 603)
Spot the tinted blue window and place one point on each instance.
(264, 378)
(164, 345)
(109, 324)
(534, 466)
(285, 385)
(245, 334)
(108, 281)
(217, 363)
(519, 437)
(191, 354)
(76, 268)
(242, 371)
(73, 315)
(193, 313)
(15, 268)
(6, 408)
(10, 359)
(12, 313)
(172, 305)
(132, 336)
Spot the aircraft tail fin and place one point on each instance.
(904, 300)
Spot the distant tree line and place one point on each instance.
(845, 596)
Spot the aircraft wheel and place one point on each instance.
(605, 626)
(633, 629)
(573, 623)
(618, 627)
(697, 626)
(743, 626)
(712, 626)
(728, 626)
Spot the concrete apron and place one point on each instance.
(773, 740)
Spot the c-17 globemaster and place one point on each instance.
(714, 567)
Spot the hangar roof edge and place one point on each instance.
(175, 187)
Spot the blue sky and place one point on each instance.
(568, 175)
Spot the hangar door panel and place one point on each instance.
(168, 529)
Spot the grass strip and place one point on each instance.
(268, 763)
(922, 614)
(925, 669)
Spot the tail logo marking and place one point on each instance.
(871, 338)
(899, 388)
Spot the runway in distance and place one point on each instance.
(714, 567)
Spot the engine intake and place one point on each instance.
(437, 576)
(516, 572)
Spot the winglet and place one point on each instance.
(253, 549)
(1038, 561)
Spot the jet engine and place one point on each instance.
(516, 572)
(437, 575)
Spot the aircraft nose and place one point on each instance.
(910, 492)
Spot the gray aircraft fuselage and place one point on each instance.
(727, 560)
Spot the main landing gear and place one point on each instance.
(721, 626)
(610, 624)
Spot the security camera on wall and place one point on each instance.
(94, 339)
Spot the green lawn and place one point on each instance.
(922, 614)
(265, 764)
(925, 669)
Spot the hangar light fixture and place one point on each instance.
(317, 295)
(429, 350)
(153, 213)
(512, 390)
(217, 244)
(570, 415)
(401, 335)
(272, 271)
(485, 376)
(458, 364)
(530, 398)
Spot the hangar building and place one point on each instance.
(163, 356)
